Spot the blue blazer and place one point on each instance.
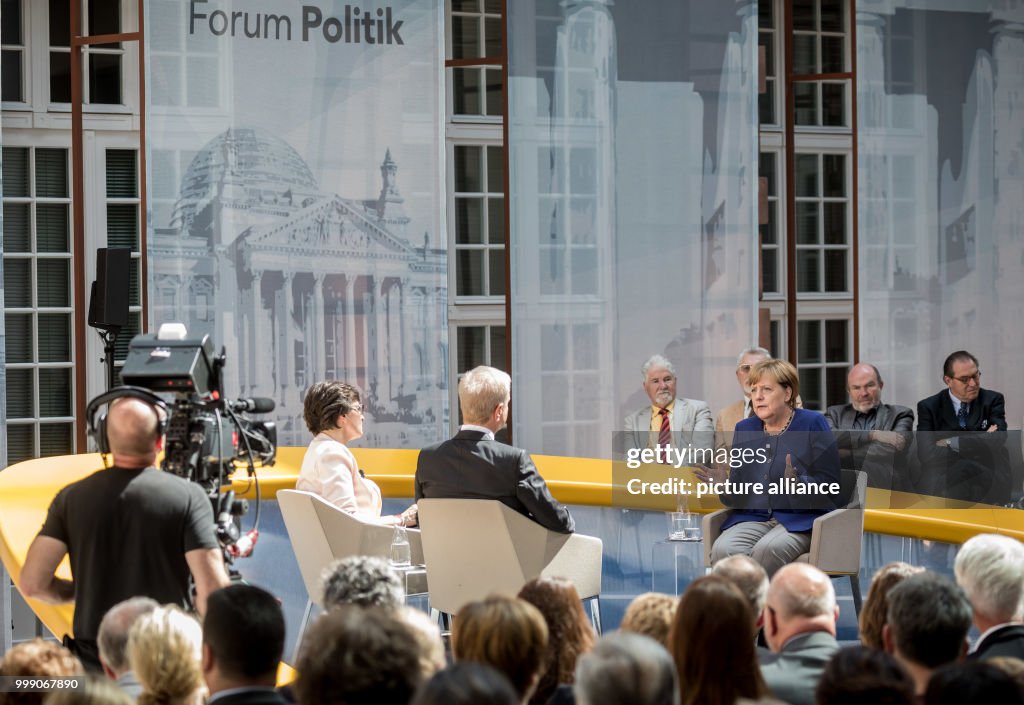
(812, 447)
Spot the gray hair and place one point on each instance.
(804, 591)
(990, 569)
(626, 669)
(112, 638)
(748, 575)
(481, 390)
(655, 361)
(757, 350)
(361, 580)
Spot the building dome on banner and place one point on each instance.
(242, 169)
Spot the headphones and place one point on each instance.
(97, 425)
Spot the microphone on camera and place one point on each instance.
(256, 405)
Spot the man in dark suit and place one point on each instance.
(957, 460)
(872, 436)
(990, 569)
(243, 639)
(473, 465)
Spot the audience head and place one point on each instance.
(569, 631)
(659, 380)
(1011, 666)
(367, 581)
(484, 395)
(467, 684)
(745, 362)
(505, 632)
(428, 639)
(650, 614)
(243, 638)
(92, 691)
(750, 577)
(40, 659)
(960, 373)
(876, 607)
(778, 372)
(112, 638)
(165, 651)
(327, 403)
(858, 674)
(972, 682)
(712, 644)
(928, 619)
(800, 599)
(358, 656)
(990, 569)
(626, 669)
(133, 431)
(864, 385)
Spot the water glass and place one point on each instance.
(401, 552)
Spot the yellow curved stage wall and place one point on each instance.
(27, 488)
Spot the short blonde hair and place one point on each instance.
(650, 614)
(93, 691)
(779, 371)
(165, 653)
(481, 391)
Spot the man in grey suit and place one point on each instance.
(872, 436)
(800, 616)
(669, 419)
(473, 465)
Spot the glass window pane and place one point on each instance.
(468, 169)
(52, 229)
(105, 79)
(104, 17)
(466, 91)
(496, 221)
(810, 388)
(17, 283)
(52, 281)
(585, 348)
(10, 29)
(498, 342)
(127, 333)
(808, 334)
(765, 19)
(832, 16)
(495, 170)
(807, 223)
(832, 59)
(766, 104)
(470, 347)
(60, 23)
(54, 337)
(835, 270)
(493, 6)
(553, 348)
(837, 341)
(803, 15)
(121, 173)
(16, 228)
(469, 273)
(769, 270)
(468, 220)
(134, 296)
(60, 77)
(835, 389)
(806, 175)
(465, 6)
(52, 173)
(123, 225)
(835, 223)
(584, 271)
(767, 40)
(769, 235)
(18, 337)
(496, 265)
(805, 103)
(492, 32)
(20, 394)
(15, 171)
(55, 439)
(10, 78)
(766, 169)
(495, 97)
(20, 442)
(808, 263)
(834, 175)
(55, 392)
(805, 53)
(465, 37)
(833, 104)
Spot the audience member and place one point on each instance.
(875, 611)
(650, 614)
(92, 691)
(334, 415)
(927, 625)
(725, 422)
(712, 644)
(243, 639)
(872, 436)
(165, 652)
(367, 581)
(752, 580)
(972, 682)
(113, 641)
(990, 569)
(467, 684)
(473, 465)
(358, 656)
(626, 669)
(669, 420)
(39, 659)
(504, 632)
(569, 632)
(800, 628)
(858, 674)
(428, 639)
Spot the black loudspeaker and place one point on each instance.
(108, 304)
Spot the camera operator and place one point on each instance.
(130, 530)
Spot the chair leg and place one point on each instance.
(855, 589)
(595, 614)
(302, 630)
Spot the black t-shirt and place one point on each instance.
(127, 532)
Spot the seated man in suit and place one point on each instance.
(473, 465)
(990, 569)
(872, 436)
(668, 415)
(955, 462)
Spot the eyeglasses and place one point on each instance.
(744, 368)
(358, 408)
(976, 377)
